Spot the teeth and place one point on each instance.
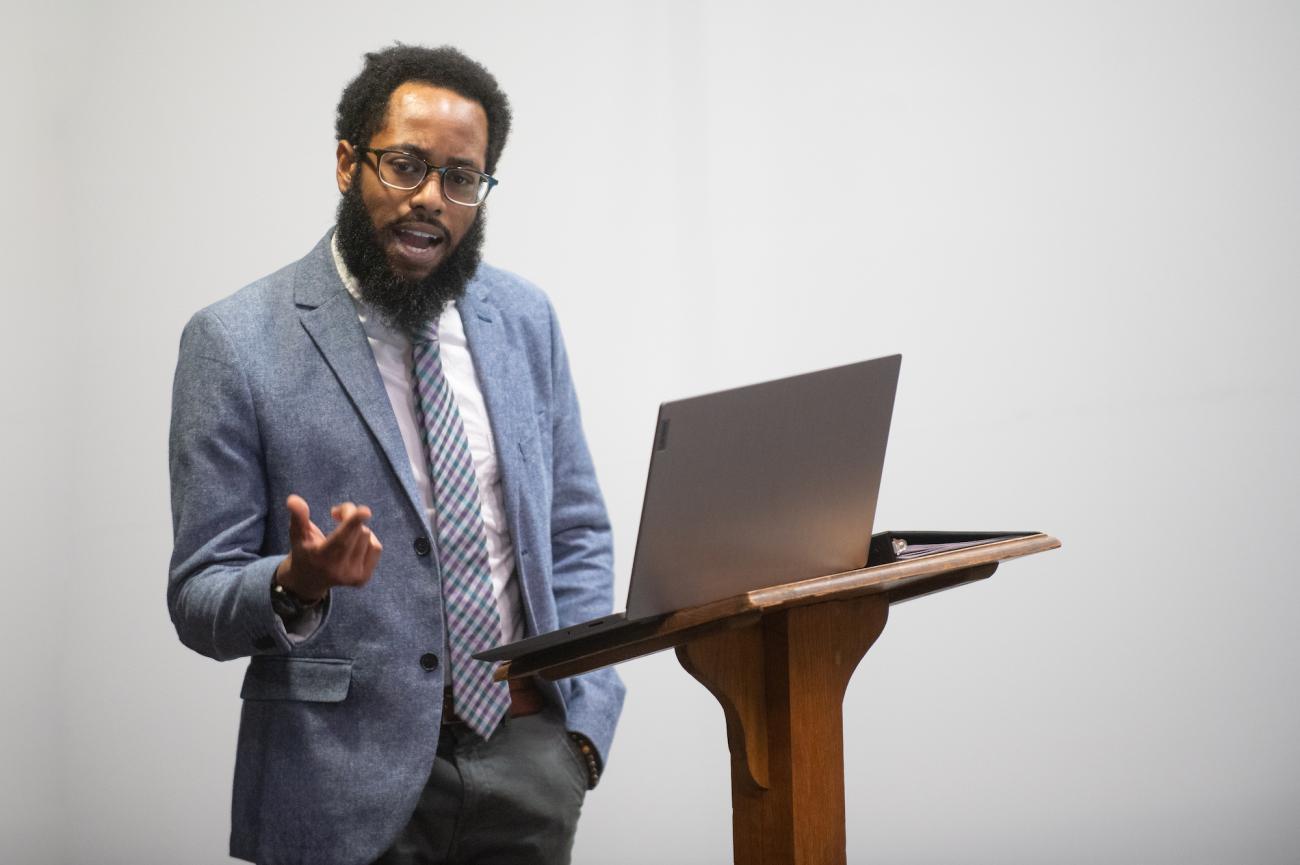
(424, 234)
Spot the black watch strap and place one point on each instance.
(286, 604)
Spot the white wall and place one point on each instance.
(1077, 221)
(37, 504)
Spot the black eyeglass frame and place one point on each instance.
(430, 168)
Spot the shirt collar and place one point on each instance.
(349, 281)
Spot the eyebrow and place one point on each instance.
(419, 151)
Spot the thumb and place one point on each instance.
(299, 518)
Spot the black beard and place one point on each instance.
(406, 305)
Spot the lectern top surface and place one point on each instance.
(896, 581)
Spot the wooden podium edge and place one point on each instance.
(900, 581)
(901, 577)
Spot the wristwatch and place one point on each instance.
(286, 604)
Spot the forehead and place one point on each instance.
(434, 119)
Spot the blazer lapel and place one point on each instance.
(329, 316)
(503, 376)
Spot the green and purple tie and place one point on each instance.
(473, 621)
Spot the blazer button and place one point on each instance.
(429, 661)
(422, 546)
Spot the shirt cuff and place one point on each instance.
(303, 625)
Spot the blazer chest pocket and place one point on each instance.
(316, 680)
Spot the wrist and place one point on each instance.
(287, 602)
(283, 581)
(590, 757)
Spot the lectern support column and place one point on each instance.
(781, 683)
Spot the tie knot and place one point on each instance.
(429, 335)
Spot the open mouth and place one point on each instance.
(418, 240)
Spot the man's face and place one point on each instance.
(418, 229)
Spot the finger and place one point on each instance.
(299, 518)
(373, 551)
(344, 543)
(342, 511)
(355, 518)
(355, 557)
(341, 514)
(367, 559)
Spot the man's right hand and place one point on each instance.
(317, 562)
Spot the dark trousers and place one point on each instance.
(513, 799)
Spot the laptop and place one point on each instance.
(752, 487)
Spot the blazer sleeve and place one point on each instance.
(219, 584)
(582, 552)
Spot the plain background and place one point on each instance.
(1079, 222)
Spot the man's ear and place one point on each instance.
(346, 163)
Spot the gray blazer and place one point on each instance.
(277, 392)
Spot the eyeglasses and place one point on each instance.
(401, 170)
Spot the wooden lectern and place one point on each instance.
(779, 660)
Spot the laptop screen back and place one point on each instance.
(762, 485)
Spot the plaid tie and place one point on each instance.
(473, 621)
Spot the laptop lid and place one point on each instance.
(762, 485)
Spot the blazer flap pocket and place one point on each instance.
(317, 680)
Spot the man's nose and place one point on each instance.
(428, 195)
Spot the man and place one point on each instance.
(423, 400)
